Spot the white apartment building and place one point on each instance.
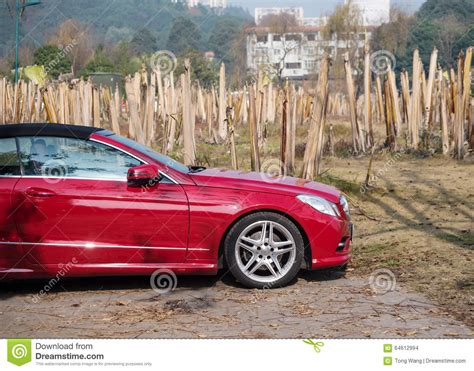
(314, 21)
(374, 12)
(209, 3)
(297, 53)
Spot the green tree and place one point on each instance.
(394, 35)
(437, 9)
(184, 35)
(143, 42)
(446, 25)
(5, 67)
(118, 34)
(202, 69)
(124, 60)
(119, 23)
(99, 63)
(223, 37)
(54, 60)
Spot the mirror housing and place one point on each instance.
(146, 175)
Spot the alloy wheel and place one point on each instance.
(265, 251)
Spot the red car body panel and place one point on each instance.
(11, 255)
(102, 214)
(105, 227)
(265, 183)
(217, 209)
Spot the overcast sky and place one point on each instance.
(313, 8)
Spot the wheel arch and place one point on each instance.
(307, 247)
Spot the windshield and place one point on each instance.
(165, 160)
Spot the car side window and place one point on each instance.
(9, 162)
(75, 158)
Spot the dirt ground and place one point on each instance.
(419, 223)
(416, 221)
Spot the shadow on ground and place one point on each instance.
(33, 287)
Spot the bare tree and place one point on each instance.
(450, 30)
(285, 26)
(238, 53)
(393, 36)
(345, 24)
(344, 28)
(74, 38)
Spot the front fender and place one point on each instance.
(214, 210)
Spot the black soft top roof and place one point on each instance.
(50, 130)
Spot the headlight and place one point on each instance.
(322, 205)
(345, 206)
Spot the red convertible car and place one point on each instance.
(114, 207)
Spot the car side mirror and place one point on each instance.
(143, 176)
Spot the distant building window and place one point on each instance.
(311, 37)
(293, 66)
(310, 51)
(262, 39)
(293, 37)
(311, 65)
(276, 37)
(260, 52)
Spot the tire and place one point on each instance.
(259, 261)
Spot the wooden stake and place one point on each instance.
(222, 104)
(188, 124)
(314, 147)
(367, 98)
(254, 153)
(357, 137)
(233, 151)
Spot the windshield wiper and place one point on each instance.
(195, 169)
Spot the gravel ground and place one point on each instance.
(316, 305)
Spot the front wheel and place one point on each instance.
(264, 250)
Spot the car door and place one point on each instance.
(11, 252)
(73, 205)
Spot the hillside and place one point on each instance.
(111, 21)
(444, 24)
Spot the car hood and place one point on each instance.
(261, 182)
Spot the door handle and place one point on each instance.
(39, 192)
